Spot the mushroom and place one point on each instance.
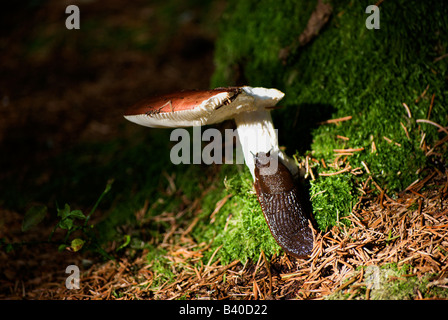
(250, 108)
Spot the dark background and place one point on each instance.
(62, 96)
(60, 88)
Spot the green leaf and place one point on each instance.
(66, 223)
(127, 240)
(108, 186)
(63, 213)
(33, 216)
(77, 244)
(77, 214)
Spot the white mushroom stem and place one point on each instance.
(256, 131)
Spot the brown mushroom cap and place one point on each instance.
(178, 101)
(190, 108)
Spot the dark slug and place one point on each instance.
(280, 203)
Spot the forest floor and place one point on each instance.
(360, 262)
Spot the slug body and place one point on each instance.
(280, 203)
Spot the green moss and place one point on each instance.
(243, 232)
(391, 282)
(160, 265)
(332, 199)
(238, 229)
(347, 70)
(251, 34)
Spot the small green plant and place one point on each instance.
(69, 221)
(79, 233)
(74, 221)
